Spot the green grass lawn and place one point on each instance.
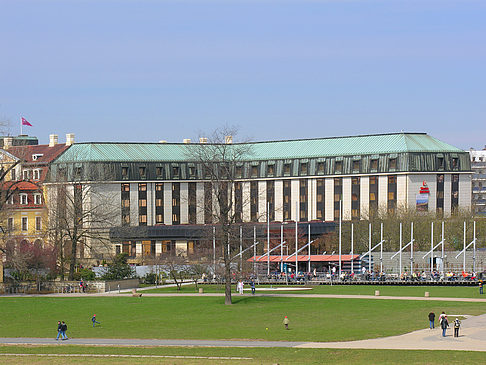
(392, 290)
(311, 319)
(257, 355)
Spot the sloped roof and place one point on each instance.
(270, 150)
(48, 153)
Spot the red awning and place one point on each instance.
(313, 258)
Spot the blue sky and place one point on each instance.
(152, 70)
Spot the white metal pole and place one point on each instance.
(464, 252)
(281, 248)
(432, 249)
(474, 249)
(340, 235)
(400, 259)
(309, 249)
(241, 250)
(296, 239)
(411, 248)
(442, 253)
(369, 249)
(381, 249)
(352, 248)
(254, 249)
(214, 251)
(268, 239)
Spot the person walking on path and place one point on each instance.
(431, 320)
(59, 330)
(93, 319)
(63, 331)
(286, 323)
(480, 287)
(252, 284)
(457, 325)
(444, 323)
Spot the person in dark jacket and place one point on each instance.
(431, 320)
(63, 330)
(59, 331)
(444, 323)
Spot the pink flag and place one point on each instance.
(25, 122)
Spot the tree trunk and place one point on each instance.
(72, 264)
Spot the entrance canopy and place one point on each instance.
(304, 258)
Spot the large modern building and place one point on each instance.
(161, 192)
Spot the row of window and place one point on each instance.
(24, 224)
(27, 174)
(281, 168)
(23, 199)
(391, 199)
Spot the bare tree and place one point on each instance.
(220, 160)
(79, 218)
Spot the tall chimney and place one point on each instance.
(203, 140)
(52, 140)
(228, 139)
(69, 139)
(7, 142)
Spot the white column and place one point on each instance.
(465, 191)
(158, 248)
(278, 200)
(168, 203)
(150, 204)
(346, 199)
(184, 194)
(294, 188)
(138, 248)
(402, 191)
(134, 204)
(364, 197)
(447, 195)
(431, 181)
(382, 193)
(262, 201)
(312, 198)
(200, 203)
(329, 197)
(246, 201)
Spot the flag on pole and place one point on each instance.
(25, 122)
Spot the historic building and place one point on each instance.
(24, 167)
(160, 192)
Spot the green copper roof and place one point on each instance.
(273, 150)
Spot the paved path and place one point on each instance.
(473, 338)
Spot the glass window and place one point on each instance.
(339, 167)
(24, 224)
(23, 199)
(38, 223)
(393, 163)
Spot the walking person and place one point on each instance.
(252, 284)
(457, 325)
(480, 287)
(431, 320)
(59, 330)
(286, 323)
(444, 323)
(63, 331)
(93, 319)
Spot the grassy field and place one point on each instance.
(311, 319)
(253, 355)
(392, 290)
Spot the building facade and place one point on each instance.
(25, 166)
(162, 195)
